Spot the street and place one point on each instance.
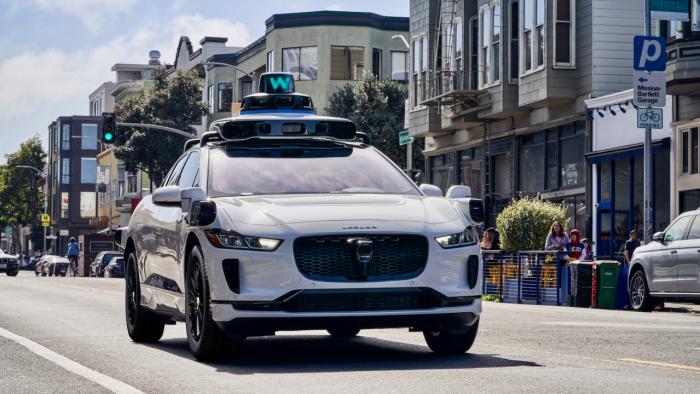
(48, 324)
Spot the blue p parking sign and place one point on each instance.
(649, 53)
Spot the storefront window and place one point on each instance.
(532, 163)
(662, 184)
(442, 170)
(470, 164)
(690, 200)
(572, 160)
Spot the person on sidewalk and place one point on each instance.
(574, 246)
(556, 241)
(631, 244)
(489, 241)
(587, 253)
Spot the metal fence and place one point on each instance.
(533, 277)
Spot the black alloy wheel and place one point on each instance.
(195, 303)
(141, 324)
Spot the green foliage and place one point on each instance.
(525, 223)
(173, 102)
(490, 297)
(21, 201)
(377, 108)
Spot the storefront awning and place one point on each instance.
(626, 152)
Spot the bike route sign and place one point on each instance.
(649, 89)
(650, 118)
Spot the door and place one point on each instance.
(664, 271)
(689, 260)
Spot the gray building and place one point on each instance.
(72, 174)
(497, 91)
(324, 50)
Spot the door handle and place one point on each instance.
(676, 252)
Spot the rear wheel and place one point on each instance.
(141, 324)
(12, 273)
(343, 332)
(450, 341)
(640, 299)
(207, 341)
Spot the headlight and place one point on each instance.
(465, 238)
(233, 240)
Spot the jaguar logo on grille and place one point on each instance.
(362, 257)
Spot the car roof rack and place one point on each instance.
(190, 143)
(210, 136)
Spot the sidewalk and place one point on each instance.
(682, 307)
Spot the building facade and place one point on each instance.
(498, 89)
(72, 176)
(324, 50)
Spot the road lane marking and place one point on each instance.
(111, 384)
(661, 364)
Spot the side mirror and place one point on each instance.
(431, 190)
(658, 237)
(459, 191)
(167, 195)
(189, 196)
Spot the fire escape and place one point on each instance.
(447, 86)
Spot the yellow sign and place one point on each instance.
(45, 220)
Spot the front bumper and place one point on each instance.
(9, 267)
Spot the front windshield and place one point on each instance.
(240, 171)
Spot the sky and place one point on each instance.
(56, 52)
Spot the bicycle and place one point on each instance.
(73, 269)
(650, 115)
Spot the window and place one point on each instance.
(87, 204)
(470, 170)
(459, 55)
(689, 151)
(532, 163)
(210, 98)
(490, 44)
(132, 180)
(65, 137)
(377, 63)
(399, 63)
(532, 33)
(694, 150)
(685, 149)
(121, 175)
(564, 33)
(64, 205)
(425, 52)
(225, 97)
(189, 171)
(689, 200)
(694, 232)
(270, 65)
(301, 62)
(88, 170)
(65, 171)
(88, 136)
(677, 230)
(174, 174)
(474, 54)
(416, 56)
(418, 96)
(246, 88)
(514, 41)
(442, 170)
(347, 63)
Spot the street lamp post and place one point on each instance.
(250, 74)
(46, 200)
(409, 146)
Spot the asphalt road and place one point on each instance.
(68, 335)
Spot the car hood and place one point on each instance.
(280, 210)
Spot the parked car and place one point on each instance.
(9, 264)
(58, 266)
(669, 266)
(97, 267)
(115, 268)
(39, 267)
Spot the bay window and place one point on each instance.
(490, 44)
(565, 33)
(532, 44)
(399, 63)
(514, 41)
(459, 54)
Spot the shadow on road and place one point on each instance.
(287, 354)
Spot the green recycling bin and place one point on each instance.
(607, 283)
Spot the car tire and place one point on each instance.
(450, 341)
(36, 273)
(141, 324)
(206, 340)
(640, 299)
(12, 273)
(343, 332)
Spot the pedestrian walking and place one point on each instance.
(631, 244)
(490, 240)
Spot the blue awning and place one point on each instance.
(627, 152)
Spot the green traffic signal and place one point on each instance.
(109, 126)
(108, 137)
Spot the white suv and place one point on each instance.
(286, 222)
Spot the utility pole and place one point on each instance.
(648, 213)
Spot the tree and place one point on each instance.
(525, 223)
(21, 202)
(173, 102)
(377, 108)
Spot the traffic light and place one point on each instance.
(109, 127)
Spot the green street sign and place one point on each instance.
(7, 231)
(670, 10)
(405, 138)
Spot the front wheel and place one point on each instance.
(448, 341)
(207, 341)
(12, 273)
(141, 324)
(639, 293)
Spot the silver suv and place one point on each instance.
(668, 267)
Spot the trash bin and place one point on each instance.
(607, 283)
(581, 278)
(622, 296)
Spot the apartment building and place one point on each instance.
(324, 50)
(498, 90)
(72, 176)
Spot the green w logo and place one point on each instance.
(278, 82)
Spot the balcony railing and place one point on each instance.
(448, 87)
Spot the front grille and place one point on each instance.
(361, 301)
(332, 258)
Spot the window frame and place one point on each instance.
(377, 66)
(533, 41)
(65, 175)
(353, 70)
(513, 43)
(571, 64)
(489, 71)
(405, 67)
(84, 160)
(65, 136)
(88, 141)
(219, 107)
(270, 61)
(298, 73)
(685, 162)
(210, 98)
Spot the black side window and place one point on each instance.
(189, 171)
(175, 172)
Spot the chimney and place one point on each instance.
(213, 41)
(154, 58)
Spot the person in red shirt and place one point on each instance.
(574, 246)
